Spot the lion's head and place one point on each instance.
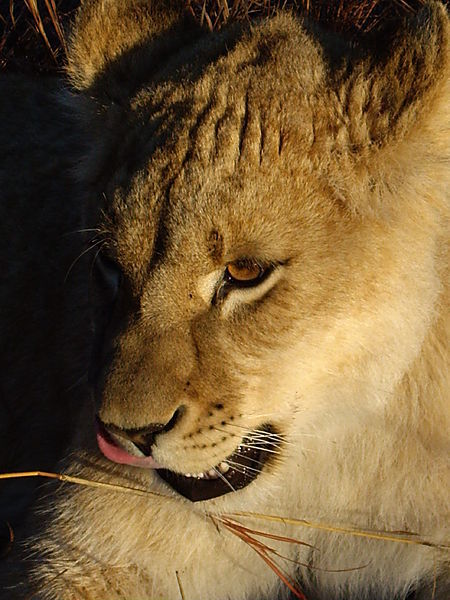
(266, 231)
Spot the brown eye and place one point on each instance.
(245, 272)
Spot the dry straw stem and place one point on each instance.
(32, 38)
(352, 17)
(401, 537)
(78, 480)
(51, 9)
(32, 34)
(263, 552)
(250, 534)
(387, 536)
(180, 587)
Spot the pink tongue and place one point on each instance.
(118, 455)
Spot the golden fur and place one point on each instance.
(277, 142)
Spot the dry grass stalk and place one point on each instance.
(52, 11)
(180, 587)
(40, 45)
(353, 17)
(400, 537)
(32, 7)
(235, 526)
(246, 534)
(263, 551)
(32, 34)
(80, 481)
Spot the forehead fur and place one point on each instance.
(256, 111)
(224, 131)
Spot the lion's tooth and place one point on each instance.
(212, 473)
(224, 467)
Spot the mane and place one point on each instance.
(32, 34)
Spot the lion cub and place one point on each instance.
(225, 258)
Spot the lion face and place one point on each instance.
(244, 295)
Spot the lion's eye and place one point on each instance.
(107, 277)
(245, 273)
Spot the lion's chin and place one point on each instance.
(234, 473)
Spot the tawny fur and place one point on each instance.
(277, 142)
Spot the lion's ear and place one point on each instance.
(387, 92)
(392, 109)
(106, 31)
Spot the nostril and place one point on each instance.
(176, 415)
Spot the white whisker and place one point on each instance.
(82, 379)
(102, 241)
(224, 479)
(251, 447)
(262, 440)
(254, 460)
(234, 435)
(257, 431)
(82, 231)
(240, 467)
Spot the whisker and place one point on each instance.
(272, 439)
(262, 440)
(240, 468)
(224, 479)
(244, 444)
(102, 241)
(95, 258)
(261, 431)
(276, 436)
(253, 460)
(251, 447)
(234, 435)
(81, 231)
(262, 416)
(78, 382)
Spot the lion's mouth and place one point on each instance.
(232, 474)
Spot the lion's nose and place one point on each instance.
(144, 438)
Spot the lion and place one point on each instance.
(226, 257)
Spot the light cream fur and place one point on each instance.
(339, 174)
